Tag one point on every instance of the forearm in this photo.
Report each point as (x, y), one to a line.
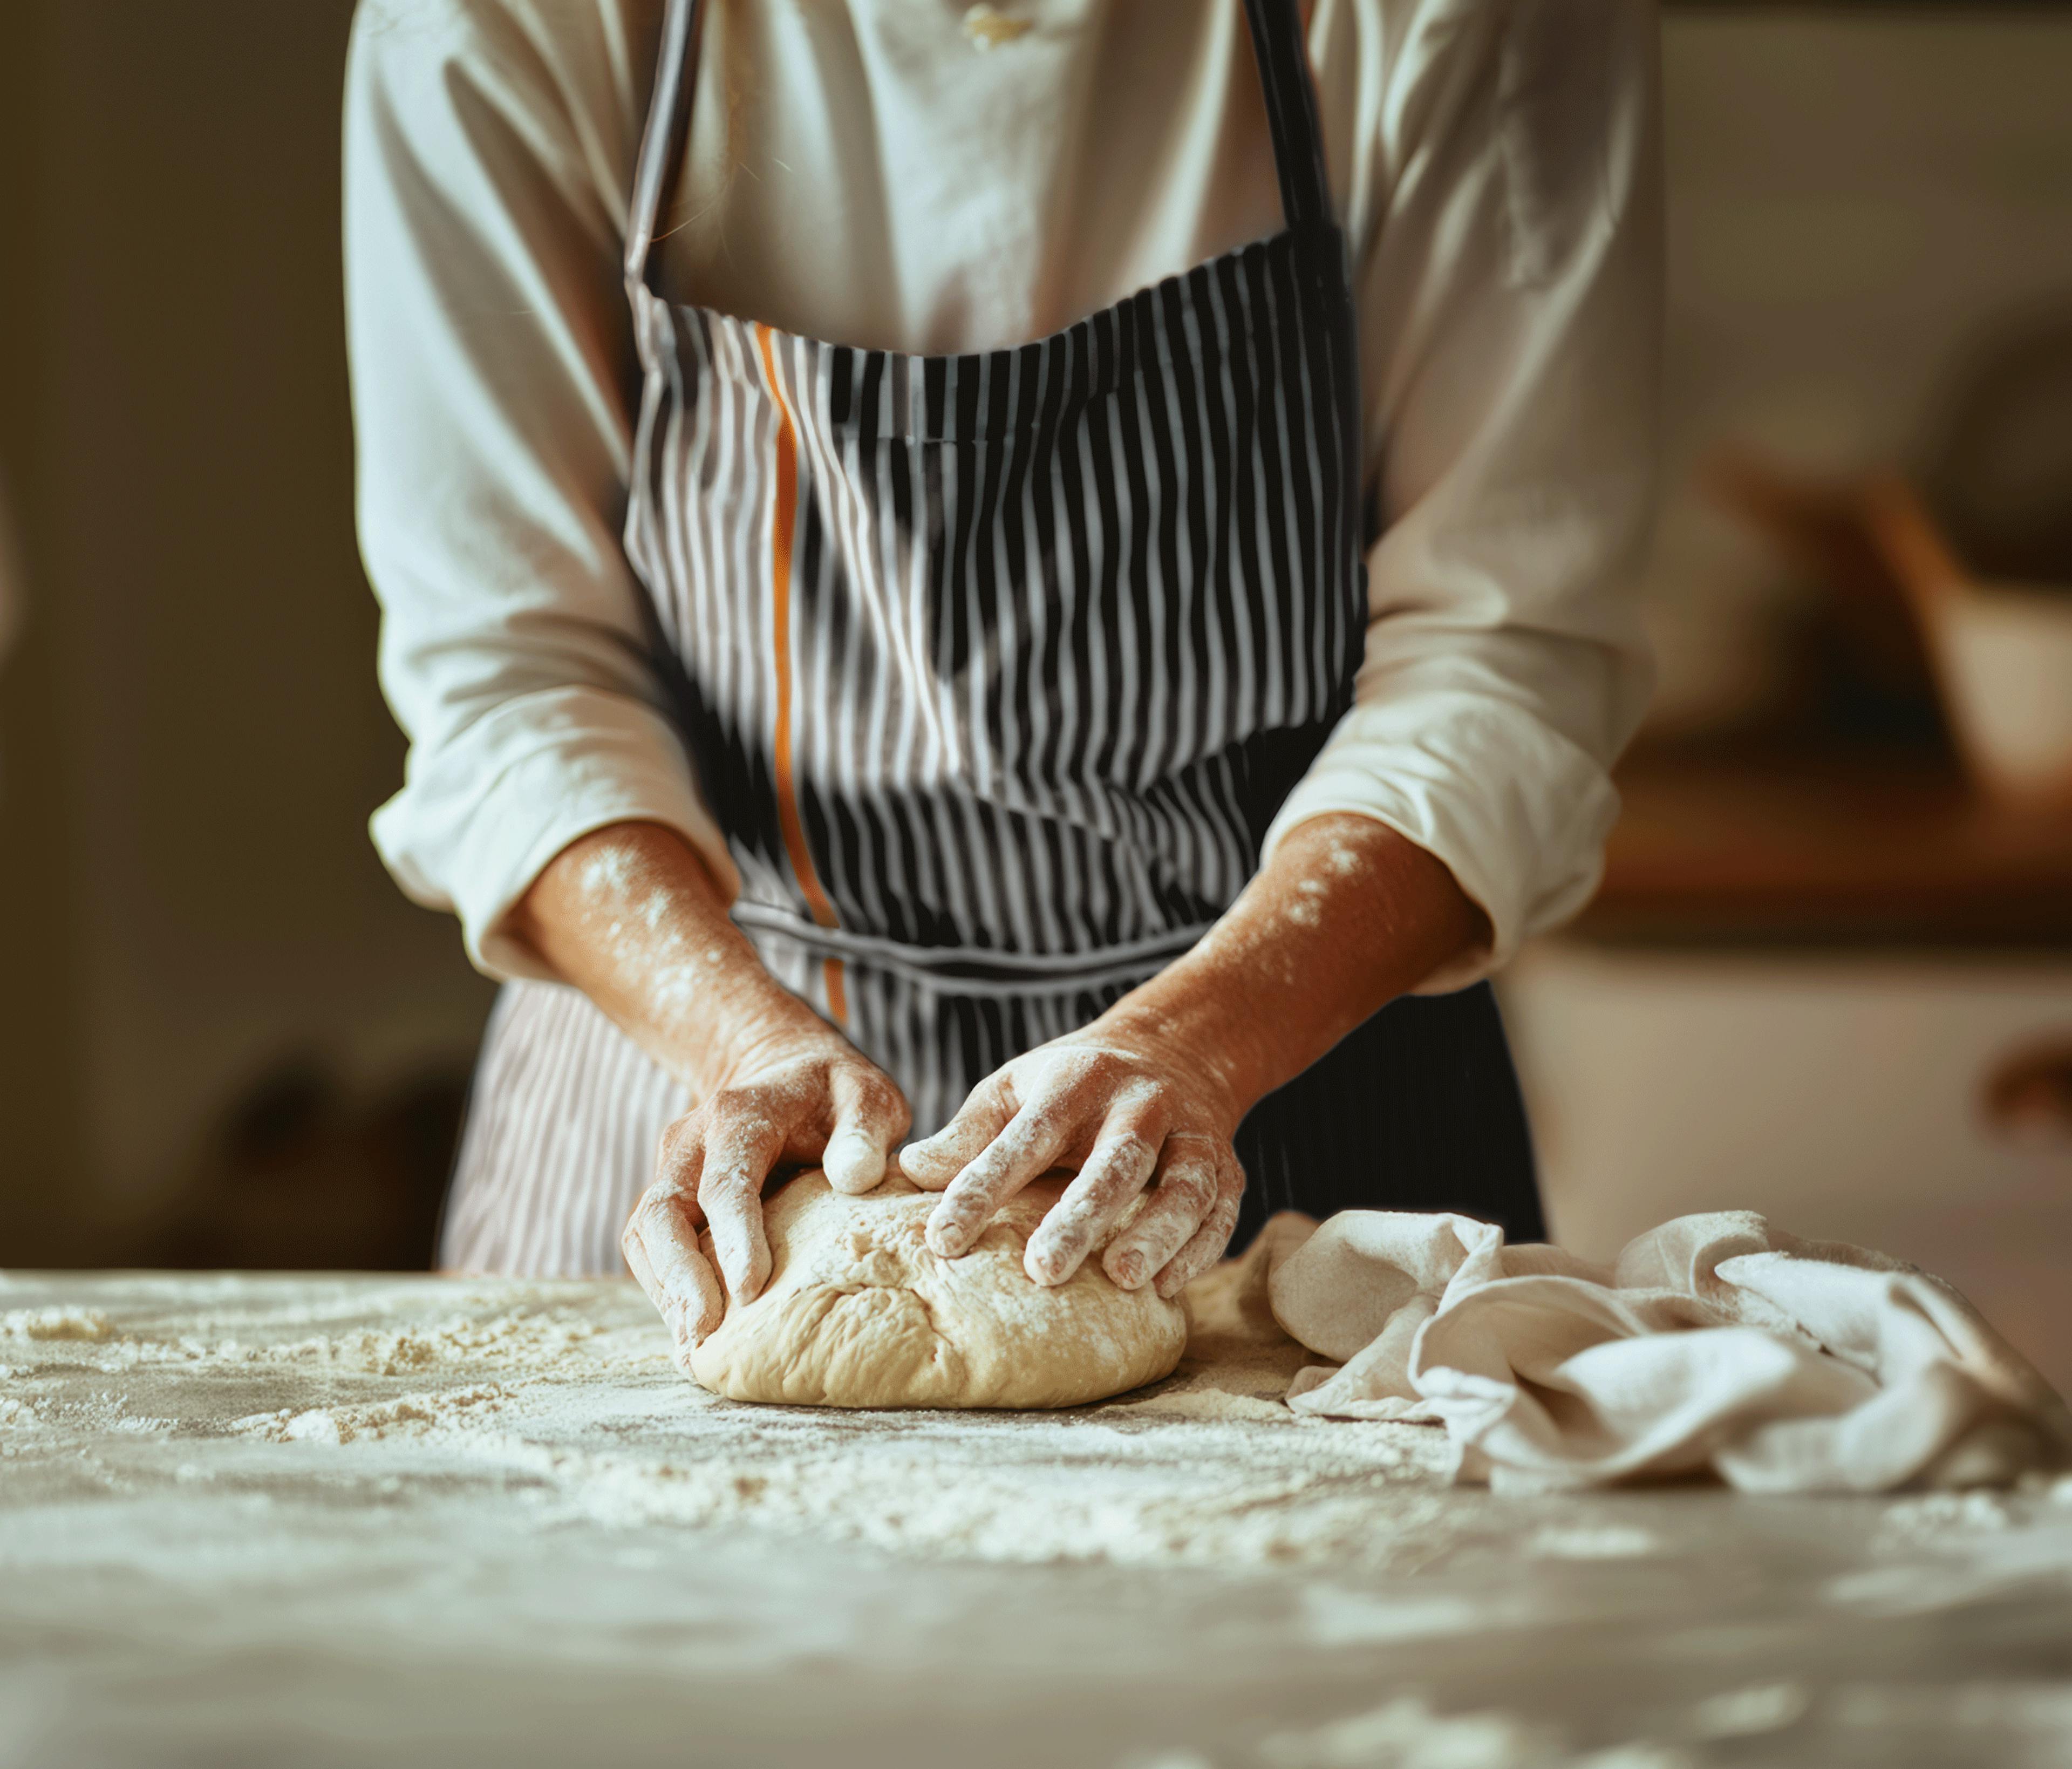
(1347, 915)
(630, 916)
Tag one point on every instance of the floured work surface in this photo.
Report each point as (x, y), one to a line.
(326, 1520)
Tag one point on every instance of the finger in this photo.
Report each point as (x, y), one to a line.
(933, 1161)
(661, 1248)
(1179, 1205)
(680, 1269)
(870, 1116)
(1029, 1145)
(1121, 1163)
(674, 1316)
(741, 1147)
(643, 1272)
(1205, 1246)
(674, 1193)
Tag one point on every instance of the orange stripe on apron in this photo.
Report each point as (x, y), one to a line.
(784, 524)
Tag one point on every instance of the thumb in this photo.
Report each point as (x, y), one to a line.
(870, 1116)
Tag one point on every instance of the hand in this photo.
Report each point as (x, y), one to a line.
(635, 920)
(802, 1095)
(1345, 915)
(1127, 1109)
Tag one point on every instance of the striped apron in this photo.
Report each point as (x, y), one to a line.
(994, 670)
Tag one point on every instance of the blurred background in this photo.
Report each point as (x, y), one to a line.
(1830, 974)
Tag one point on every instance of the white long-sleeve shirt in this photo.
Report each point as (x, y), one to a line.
(862, 171)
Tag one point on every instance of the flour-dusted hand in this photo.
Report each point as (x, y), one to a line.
(1128, 1111)
(1344, 914)
(801, 1095)
(631, 916)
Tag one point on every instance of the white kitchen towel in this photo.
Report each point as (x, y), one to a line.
(1715, 1342)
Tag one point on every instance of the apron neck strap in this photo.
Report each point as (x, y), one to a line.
(1277, 45)
(662, 142)
(1283, 54)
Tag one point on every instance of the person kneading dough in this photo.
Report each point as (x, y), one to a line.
(859, 1312)
(1054, 579)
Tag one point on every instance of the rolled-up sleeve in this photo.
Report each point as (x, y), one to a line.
(494, 382)
(1505, 207)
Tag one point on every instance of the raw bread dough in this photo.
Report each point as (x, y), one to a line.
(858, 1313)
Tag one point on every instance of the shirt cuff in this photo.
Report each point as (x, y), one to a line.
(558, 765)
(1516, 811)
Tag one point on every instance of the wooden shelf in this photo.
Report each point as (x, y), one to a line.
(1843, 847)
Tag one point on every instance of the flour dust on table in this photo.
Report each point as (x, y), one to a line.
(491, 1522)
(565, 1391)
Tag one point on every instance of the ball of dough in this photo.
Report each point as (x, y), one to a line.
(859, 1313)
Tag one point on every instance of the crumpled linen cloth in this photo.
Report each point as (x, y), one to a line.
(1715, 1343)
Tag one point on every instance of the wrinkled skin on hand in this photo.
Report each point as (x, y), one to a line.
(806, 1099)
(1345, 915)
(1129, 1114)
(631, 916)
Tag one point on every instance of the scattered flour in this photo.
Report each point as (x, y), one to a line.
(1406, 1735)
(1214, 1404)
(1616, 1541)
(408, 1414)
(423, 1472)
(966, 1493)
(1942, 1513)
(540, 1343)
(545, 1338)
(55, 1323)
(2042, 1711)
(569, 1391)
(1750, 1713)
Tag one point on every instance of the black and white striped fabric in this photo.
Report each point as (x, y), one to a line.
(995, 669)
